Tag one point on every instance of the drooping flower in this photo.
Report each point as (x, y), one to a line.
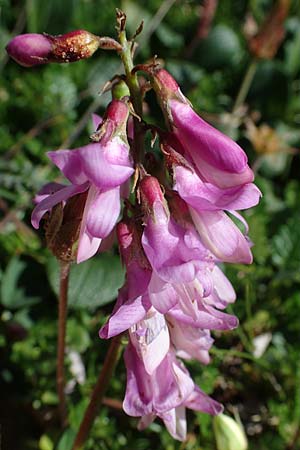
(210, 173)
(158, 384)
(133, 299)
(217, 158)
(100, 168)
(170, 313)
(182, 266)
(162, 271)
(207, 204)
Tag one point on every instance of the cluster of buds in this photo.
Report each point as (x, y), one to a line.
(173, 235)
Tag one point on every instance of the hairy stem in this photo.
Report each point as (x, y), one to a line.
(135, 95)
(62, 316)
(131, 78)
(98, 393)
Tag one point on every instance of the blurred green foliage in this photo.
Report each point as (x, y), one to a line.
(49, 107)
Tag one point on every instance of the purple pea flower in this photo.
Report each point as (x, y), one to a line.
(158, 384)
(182, 266)
(100, 169)
(206, 203)
(217, 158)
(189, 340)
(133, 301)
(171, 279)
(164, 393)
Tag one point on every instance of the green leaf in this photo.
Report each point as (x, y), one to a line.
(13, 296)
(66, 441)
(285, 244)
(93, 283)
(78, 337)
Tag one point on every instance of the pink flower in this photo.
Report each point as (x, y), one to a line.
(216, 157)
(164, 393)
(206, 203)
(133, 300)
(158, 384)
(189, 340)
(182, 266)
(173, 281)
(99, 168)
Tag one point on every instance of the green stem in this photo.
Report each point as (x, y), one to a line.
(132, 79)
(98, 392)
(135, 95)
(245, 86)
(245, 340)
(62, 317)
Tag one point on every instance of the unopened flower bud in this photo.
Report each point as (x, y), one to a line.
(152, 198)
(34, 49)
(70, 47)
(164, 82)
(117, 111)
(29, 49)
(150, 191)
(114, 122)
(229, 434)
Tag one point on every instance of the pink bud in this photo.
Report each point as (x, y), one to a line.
(150, 192)
(166, 89)
(164, 81)
(34, 49)
(29, 49)
(117, 111)
(114, 122)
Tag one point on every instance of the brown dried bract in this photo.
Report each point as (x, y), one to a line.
(63, 227)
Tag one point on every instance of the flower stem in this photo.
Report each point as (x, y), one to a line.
(245, 86)
(135, 95)
(131, 78)
(98, 392)
(62, 316)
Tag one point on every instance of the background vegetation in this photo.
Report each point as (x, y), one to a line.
(255, 370)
